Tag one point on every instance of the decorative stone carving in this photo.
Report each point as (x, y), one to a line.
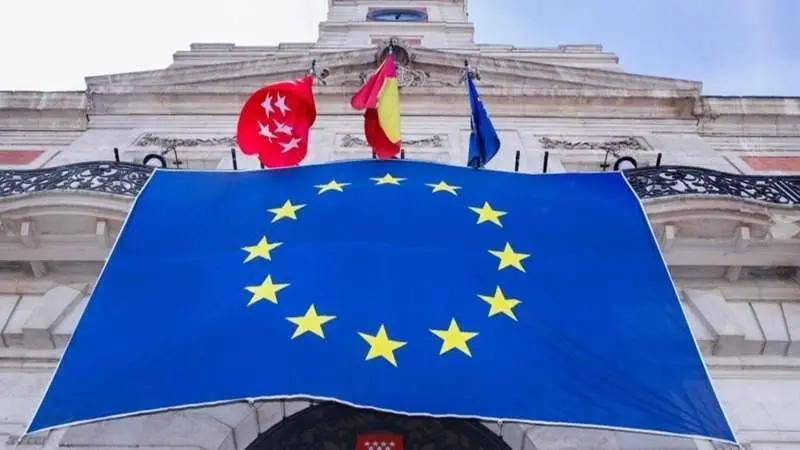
(407, 77)
(613, 146)
(435, 141)
(348, 140)
(150, 139)
(401, 50)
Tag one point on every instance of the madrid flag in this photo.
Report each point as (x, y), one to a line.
(275, 121)
(380, 100)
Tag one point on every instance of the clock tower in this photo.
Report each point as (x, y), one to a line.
(439, 24)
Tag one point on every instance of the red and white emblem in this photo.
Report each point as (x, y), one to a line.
(379, 441)
(275, 121)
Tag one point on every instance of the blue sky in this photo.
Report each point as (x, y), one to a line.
(735, 47)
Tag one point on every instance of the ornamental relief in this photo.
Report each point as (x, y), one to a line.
(406, 77)
(435, 141)
(170, 142)
(615, 145)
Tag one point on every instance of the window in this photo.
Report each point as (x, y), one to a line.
(397, 15)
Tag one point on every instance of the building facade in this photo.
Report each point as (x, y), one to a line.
(719, 178)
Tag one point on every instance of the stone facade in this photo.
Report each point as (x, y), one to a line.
(733, 247)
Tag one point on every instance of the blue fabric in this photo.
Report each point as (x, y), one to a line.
(483, 140)
(598, 339)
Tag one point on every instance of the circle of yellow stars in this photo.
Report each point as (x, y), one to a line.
(380, 344)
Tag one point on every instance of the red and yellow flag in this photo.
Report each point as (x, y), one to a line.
(380, 98)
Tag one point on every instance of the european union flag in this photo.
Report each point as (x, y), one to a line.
(483, 140)
(405, 286)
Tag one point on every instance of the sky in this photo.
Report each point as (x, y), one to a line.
(735, 47)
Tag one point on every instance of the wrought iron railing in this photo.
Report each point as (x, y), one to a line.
(127, 179)
(96, 176)
(668, 181)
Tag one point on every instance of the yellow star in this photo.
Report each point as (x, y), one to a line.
(261, 249)
(387, 179)
(453, 337)
(310, 322)
(265, 291)
(442, 186)
(288, 210)
(499, 303)
(509, 258)
(487, 214)
(332, 185)
(381, 345)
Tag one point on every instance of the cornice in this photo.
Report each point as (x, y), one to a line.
(35, 111)
(715, 106)
(745, 209)
(424, 101)
(293, 65)
(29, 205)
(290, 65)
(571, 74)
(43, 101)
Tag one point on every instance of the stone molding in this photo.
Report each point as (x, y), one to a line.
(290, 66)
(87, 204)
(533, 70)
(36, 111)
(332, 100)
(714, 106)
(43, 101)
(218, 89)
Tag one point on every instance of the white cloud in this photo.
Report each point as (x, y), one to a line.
(54, 44)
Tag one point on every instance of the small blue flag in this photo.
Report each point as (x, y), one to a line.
(483, 140)
(405, 286)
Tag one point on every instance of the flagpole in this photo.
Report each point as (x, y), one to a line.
(466, 76)
(313, 69)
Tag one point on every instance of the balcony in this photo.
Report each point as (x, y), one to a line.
(127, 179)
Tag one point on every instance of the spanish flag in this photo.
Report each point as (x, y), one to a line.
(380, 98)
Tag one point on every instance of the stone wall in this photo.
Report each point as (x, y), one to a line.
(573, 144)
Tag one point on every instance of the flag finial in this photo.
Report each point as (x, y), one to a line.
(468, 71)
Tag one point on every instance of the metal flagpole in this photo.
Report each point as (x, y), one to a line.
(466, 77)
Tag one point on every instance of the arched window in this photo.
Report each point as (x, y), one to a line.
(339, 426)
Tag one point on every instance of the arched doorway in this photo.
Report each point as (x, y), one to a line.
(330, 426)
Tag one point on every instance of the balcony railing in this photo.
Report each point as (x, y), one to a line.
(127, 179)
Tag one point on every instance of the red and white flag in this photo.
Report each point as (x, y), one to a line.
(275, 121)
(379, 441)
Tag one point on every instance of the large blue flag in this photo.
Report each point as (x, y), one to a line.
(405, 286)
(483, 140)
